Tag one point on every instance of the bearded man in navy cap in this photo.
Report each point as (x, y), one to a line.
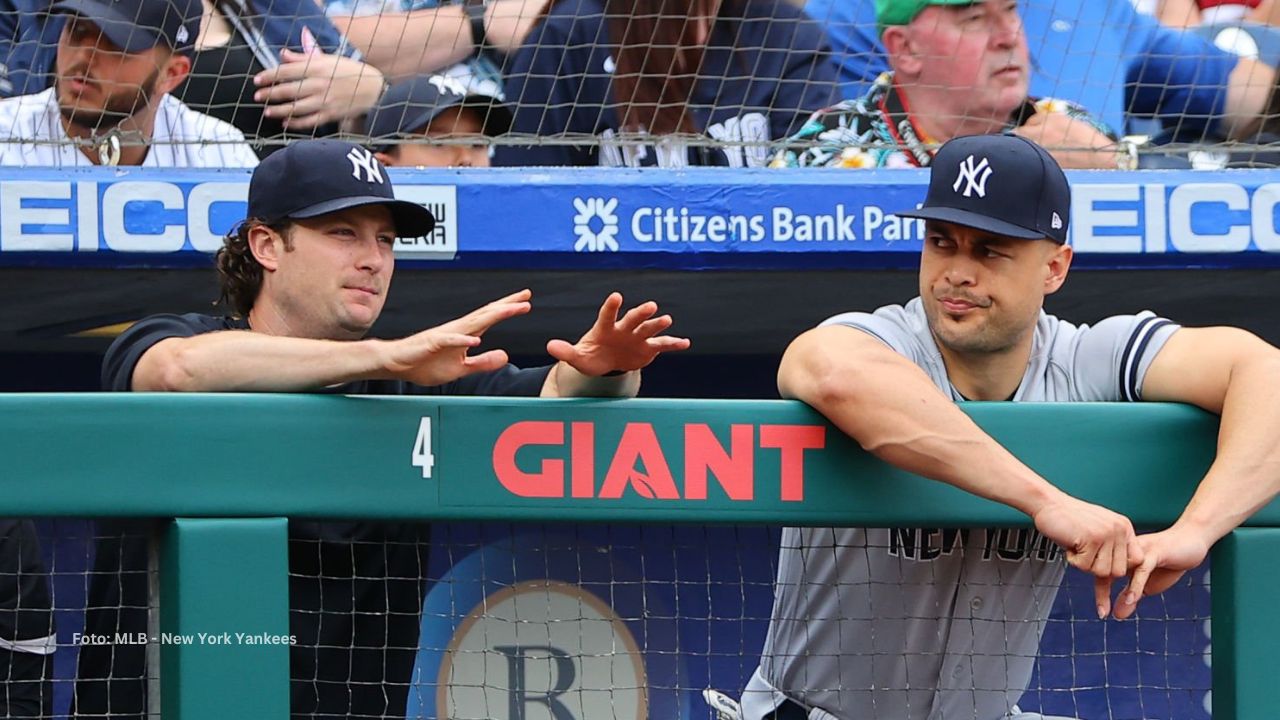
(117, 61)
(306, 275)
(948, 624)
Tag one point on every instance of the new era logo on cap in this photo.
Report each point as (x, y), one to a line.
(446, 85)
(974, 177)
(1031, 200)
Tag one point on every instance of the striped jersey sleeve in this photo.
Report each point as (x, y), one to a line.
(1109, 361)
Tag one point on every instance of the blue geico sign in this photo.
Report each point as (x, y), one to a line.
(652, 218)
(126, 215)
(1186, 217)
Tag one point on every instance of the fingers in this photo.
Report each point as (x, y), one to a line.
(1128, 600)
(668, 343)
(609, 310)
(1120, 554)
(485, 361)
(518, 296)
(563, 351)
(1082, 557)
(282, 92)
(652, 327)
(1102, 595)
(445, 340)
(478, 321)
(1113, 558)
(637, 316)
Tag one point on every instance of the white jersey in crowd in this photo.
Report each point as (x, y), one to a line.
(182, 138)
(893, 624)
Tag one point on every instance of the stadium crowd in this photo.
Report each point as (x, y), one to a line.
(618, 83)
(846, 83)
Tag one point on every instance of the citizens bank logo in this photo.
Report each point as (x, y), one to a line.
(974, 177)
(542, 649)
(595, 224)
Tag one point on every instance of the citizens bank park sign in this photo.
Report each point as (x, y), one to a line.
(695, 218)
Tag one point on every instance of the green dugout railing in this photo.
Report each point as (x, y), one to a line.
(230, 469)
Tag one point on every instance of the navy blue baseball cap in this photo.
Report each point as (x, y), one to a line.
(1001, 184)
(407, 107)
(139, 25)
(309, 178)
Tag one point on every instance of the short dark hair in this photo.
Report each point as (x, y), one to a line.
(239, 272)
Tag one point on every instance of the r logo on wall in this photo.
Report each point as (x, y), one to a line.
(542, 649)
(558, 623)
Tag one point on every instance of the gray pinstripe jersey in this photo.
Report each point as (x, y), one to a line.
(883, 624)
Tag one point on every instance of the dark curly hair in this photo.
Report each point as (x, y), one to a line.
(239, 272)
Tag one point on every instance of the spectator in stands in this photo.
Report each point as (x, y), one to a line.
(1191, 13)
(643, 78)
(1103, 56)
(264, 67)
(117, 61)
(445, 126)
(958, 69)
(277, 69)
(306, 275)
(1243, 27)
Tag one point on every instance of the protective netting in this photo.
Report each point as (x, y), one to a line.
(634, 82)
(628, 621)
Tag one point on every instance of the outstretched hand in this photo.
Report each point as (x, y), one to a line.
(314, 88)
(1097, 541)
(1167, 556)
(614, 344)
(439, 355)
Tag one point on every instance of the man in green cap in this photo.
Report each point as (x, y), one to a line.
(959, 68)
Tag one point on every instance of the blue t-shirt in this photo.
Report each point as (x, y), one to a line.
(1100, 55)
(766, 68)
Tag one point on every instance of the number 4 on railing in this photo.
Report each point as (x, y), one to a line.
(422, 456)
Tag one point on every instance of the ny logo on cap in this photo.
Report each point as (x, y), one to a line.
(447, 85)
(974, 176)
(182, 36)
(362, 159)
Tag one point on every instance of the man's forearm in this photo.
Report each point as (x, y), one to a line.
(246, 361)
(424, 41)
(1249, 90)
(405, 44)
(892, 409)
(1245, 476)
(906, 422)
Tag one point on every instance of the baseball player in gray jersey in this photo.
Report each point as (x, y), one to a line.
(876, 624)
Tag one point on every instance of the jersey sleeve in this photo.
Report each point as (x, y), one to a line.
(123, 355)
(890, 325)
(1108, 361)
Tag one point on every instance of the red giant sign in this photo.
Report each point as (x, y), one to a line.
(704, 455)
